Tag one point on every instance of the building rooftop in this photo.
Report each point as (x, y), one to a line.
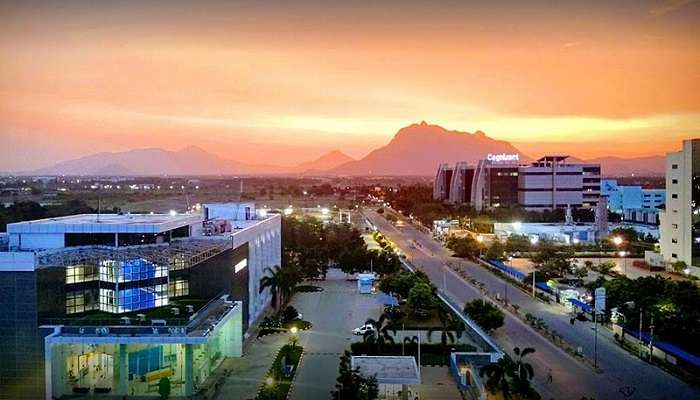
(108, 223)
(195, 327)
(398, 370)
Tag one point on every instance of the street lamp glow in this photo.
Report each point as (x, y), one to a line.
(480, 239)
(576, 241)
(172, 213)
(294, 330)
(534, 240)
(517, 225)
(617, 240)
(325, 211)
(269, 381)
(288, 210)
(622, 253)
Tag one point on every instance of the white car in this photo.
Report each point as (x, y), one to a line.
(363, 329)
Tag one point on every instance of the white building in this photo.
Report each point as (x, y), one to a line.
(551, 182)
(680, 221)
(112, 303)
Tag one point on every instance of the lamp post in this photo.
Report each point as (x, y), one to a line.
(533, 242)
(480, 240)
(617, 240)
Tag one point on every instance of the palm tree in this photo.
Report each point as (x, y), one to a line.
(380, 335)
(448, 324)
(498, 376)
(511, 377)
(281, 282)
(523, 368)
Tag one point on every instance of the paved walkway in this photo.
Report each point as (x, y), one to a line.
(248, 372)
(437, 384)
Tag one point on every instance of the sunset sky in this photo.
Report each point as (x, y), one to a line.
(283, 82)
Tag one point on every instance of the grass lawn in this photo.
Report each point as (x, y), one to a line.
(412, 322)
(277, 385)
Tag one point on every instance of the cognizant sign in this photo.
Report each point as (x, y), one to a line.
(503, 157)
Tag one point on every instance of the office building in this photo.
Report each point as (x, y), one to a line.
(110, 304)
(550, 182)
(680, 221)
(443, 180)
(631, 197)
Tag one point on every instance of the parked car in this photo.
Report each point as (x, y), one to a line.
(363, 329)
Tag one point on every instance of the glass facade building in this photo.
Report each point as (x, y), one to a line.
(78, 316)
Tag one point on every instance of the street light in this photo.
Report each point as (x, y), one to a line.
(480, 239)
(533, 241)
(624, 260)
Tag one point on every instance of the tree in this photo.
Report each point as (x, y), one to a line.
(164, 388)
(497, 375)
(552, 258)
(398, 283)
(511, 377)
(421, 298)
(487, 315)
(351, 385)
(605, 267)
(380, 335)
(463, 247)
(448, 324)
(517, 244)
(679, 266)
(281, 282)
(496, 251)
(581, 273)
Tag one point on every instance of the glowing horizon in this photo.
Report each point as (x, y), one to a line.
(286, 83)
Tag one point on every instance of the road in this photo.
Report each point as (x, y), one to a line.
(571, 379)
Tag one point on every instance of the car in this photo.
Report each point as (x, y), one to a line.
(363, 329)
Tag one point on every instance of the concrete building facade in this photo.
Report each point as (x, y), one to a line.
(546, 184)
(680, 221)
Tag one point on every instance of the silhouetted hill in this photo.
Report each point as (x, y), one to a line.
(418, 149)
(327, 161)
(191, 160)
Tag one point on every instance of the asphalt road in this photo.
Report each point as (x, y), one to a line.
(571, 379)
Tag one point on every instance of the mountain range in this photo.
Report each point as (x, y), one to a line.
(415, 150)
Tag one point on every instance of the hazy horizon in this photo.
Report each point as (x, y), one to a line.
(279, 83)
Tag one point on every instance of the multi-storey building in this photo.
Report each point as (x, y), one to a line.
(443, 180)
(110, 304)
(631, 197)
(546, 184)
(680, 221)
(551, 183)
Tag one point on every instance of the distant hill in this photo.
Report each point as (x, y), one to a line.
(191, 160)
(642, 166)
(418, 149)
(327, 161)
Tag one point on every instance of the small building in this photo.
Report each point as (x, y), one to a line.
(365, 283)
(394, 374)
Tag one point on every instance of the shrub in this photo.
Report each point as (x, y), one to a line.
(485, 314)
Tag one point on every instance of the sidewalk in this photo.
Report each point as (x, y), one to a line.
(247, 373)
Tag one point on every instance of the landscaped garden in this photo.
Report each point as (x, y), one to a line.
(281, 375)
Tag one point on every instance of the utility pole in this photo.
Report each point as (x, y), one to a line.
(595, 341)
(651, 338)
(533, 282)
(444, 278)
(640, 329)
